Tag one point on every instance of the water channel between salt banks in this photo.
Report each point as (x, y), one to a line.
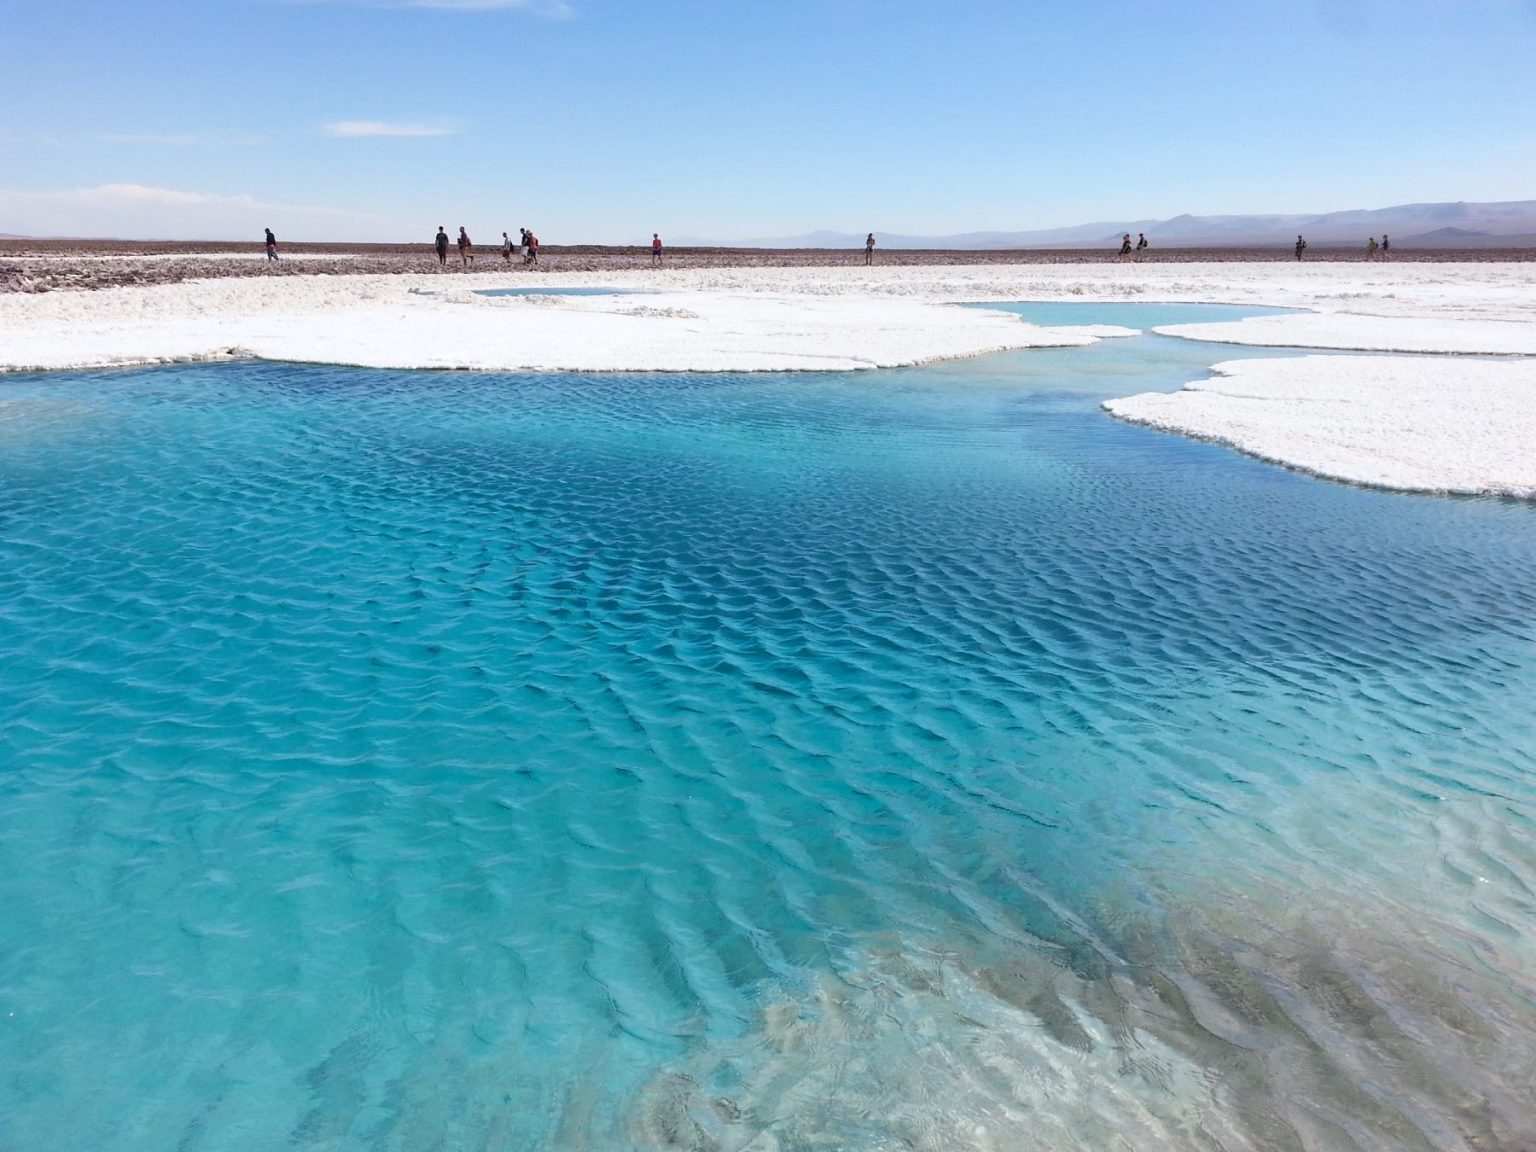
(901, 759)
(558, 292)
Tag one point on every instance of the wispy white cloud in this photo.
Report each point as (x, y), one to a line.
(146, 211)
(361, 129)
(135, 194)
(548, 9)
(40, 140)
(181, 139)
(108, 195)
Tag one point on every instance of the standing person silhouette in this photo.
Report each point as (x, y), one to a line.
(1141, 244)
(533, 249)
(1301, 246)
(1125, 245)
(1386, 245)
(271, 245)
(655, 249)
(465, 244)
(869, 248)
(1370, 249)
(441, 244)
(506, 248)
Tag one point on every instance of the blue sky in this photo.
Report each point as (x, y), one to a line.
(605, 120)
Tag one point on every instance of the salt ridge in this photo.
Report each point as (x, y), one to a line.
(1408, 423)
(1442, 425)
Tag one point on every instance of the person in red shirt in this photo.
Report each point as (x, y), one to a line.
(655, 248)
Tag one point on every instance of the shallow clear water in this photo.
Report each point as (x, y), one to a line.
(1057, 313)
(913, 759)
(556, 292)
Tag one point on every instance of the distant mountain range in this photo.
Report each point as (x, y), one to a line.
(1510, 224)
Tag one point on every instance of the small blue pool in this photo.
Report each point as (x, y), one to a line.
(557, 292)
(1126, 314)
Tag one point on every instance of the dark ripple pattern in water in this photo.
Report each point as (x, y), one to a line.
(903, 760)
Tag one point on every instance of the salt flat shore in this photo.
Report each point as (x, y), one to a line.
(1432, 416)
(29, 265)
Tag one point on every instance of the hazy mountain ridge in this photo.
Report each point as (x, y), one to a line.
(1508, 223)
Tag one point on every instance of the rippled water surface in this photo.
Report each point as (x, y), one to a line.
(557, 292)
(912, 759)
(1053, 313)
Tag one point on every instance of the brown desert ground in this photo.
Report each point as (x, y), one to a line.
(28, 265)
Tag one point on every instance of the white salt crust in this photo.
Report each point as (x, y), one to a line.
(1442, 424)
(1427, 424)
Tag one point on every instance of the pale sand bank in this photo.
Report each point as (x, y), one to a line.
(423, 322)
(1355, 333)
(1411, 423)
(1456, 425)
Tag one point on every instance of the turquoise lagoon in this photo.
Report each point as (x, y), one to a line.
(558, 292)
(912, 759)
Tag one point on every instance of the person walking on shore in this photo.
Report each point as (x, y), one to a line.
(1301, 246)
(441, 244)
(533, 249)
(869, 248)
(506, 248)
(1125, 245)
(1141, 244)
(1370, 249)
(1386, 245)
(655, 249)
(465, 244)
(271, 245)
